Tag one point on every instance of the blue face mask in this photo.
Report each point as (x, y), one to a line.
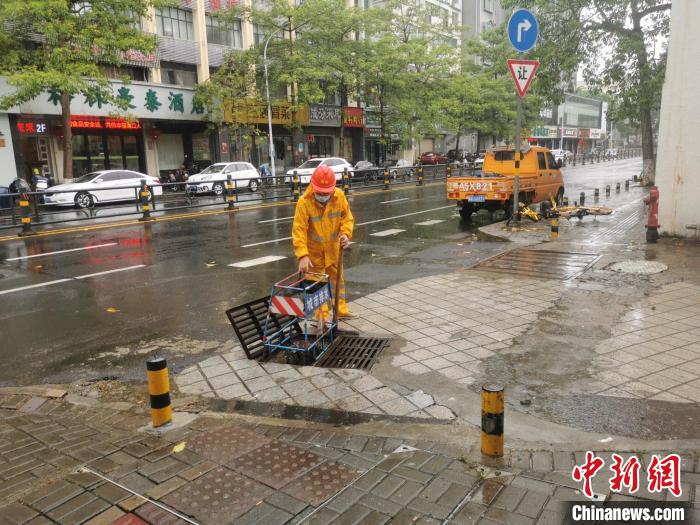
(323, 199)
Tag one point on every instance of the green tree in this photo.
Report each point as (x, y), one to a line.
(59, 46)
(618, 43)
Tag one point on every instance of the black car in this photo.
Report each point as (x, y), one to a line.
(365, 171)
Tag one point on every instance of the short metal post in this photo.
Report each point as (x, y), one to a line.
(230, 197)
(386, 179)
(295, 186)
(449, 171)
(607, 190)
(516, 197)
(583, 161)
(582, 198)
(617, 187)
(596, 194)
(554, 228)
(26, 215)
(492, 420)
(145, 197)
(598, 157)
(346, 182)
(565, 201)
(159, 391)
(627, 185)
(420, 175)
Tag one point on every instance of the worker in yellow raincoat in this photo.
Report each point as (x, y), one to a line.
(322, 221)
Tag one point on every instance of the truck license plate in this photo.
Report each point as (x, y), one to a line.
(477, 198)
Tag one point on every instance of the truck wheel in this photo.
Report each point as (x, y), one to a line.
(466, 211)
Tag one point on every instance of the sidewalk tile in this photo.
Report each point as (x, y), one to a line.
(321, 483)
(108, 517)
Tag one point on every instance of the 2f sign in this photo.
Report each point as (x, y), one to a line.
(523, 72)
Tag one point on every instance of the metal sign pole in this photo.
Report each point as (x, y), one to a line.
(516, 184)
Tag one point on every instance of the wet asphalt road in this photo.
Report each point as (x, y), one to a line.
(111, 296)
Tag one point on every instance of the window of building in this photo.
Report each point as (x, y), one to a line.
(438, 15)
(175, 23)
(178, 74)
(224, 34)
(488, 6)
(139, 74)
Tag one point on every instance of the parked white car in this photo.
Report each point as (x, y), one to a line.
(562, 154)
(100, 186)
(213, 179)
(304, 171)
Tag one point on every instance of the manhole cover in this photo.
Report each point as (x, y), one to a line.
(540, 263)
(641, 267)
(349, 351)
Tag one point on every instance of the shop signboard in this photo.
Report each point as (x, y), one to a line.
(144, 101)
(254, 112)
(584, 133)
(324, 115)
(353, 117)
(570, 132)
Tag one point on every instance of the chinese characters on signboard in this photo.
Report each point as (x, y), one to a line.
(353, 117)
(109, 123)
(321, 115)
(31, 128)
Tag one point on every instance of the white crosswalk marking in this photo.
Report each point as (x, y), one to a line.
(395, 200)
(276, 220)
(386, 233)
(429, 223)
(258, 261)
(63, 251)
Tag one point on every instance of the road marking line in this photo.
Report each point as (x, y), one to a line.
(395, 200)
(258, 261)
(404, 215)
(265, 242)
(360, 224)
(62, 251)
(49, 283)
(386, 233)
(275, 220)
(110, 271)
(79, 277)
(429, 223)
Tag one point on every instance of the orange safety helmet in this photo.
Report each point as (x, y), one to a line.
(323, 179)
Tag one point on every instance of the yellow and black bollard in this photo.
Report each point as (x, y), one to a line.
(554, 231)
(617, 187)
(449, 170)
(420, 175)
(159, 391)
(492, 409)
(565, 201)
(346, 182)
(596, 194)
(607, 190)
(295, 186)
(582, 198)
(386, 179)
(627, 185)
(145, 200)
(230, 195)
(25, 216)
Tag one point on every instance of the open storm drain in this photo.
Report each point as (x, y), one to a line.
(350, 351)
(546, 264)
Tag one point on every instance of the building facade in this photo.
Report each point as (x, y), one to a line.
(579, 124)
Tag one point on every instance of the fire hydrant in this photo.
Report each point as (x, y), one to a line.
(652, 200)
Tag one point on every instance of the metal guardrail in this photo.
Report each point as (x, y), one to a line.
(226, 194)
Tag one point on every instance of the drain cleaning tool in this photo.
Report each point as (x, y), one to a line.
(88, 470)
(336, 301)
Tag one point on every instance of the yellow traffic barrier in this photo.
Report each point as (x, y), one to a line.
(159, 391)
(492, 408)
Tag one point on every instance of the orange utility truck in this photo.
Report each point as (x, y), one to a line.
(491, 188)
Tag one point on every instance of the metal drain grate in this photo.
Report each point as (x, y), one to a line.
(248, 321)
(540, 263)
(350, 351)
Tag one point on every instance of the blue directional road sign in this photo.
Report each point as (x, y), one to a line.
(523, 30)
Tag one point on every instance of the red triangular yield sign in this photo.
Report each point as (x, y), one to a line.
(523, 72)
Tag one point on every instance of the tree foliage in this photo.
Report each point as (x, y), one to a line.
(620, 45)
(61, 46)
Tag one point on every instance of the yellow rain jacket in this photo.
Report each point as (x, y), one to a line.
(316, 232)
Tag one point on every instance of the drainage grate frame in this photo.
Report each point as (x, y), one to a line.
(352, 351)
(248, 321)
(546, 264)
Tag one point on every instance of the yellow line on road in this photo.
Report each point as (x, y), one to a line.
(190, 215)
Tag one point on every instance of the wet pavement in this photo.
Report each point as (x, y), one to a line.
(126, 293)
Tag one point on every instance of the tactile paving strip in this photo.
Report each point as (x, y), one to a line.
(218, 497)
(276, 463)
(226, 443)
(321, 483)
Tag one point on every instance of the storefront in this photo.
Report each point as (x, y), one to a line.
(322, 135)
(102, 140)
(354, 125)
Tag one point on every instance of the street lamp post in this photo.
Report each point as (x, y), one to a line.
(269, 108)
